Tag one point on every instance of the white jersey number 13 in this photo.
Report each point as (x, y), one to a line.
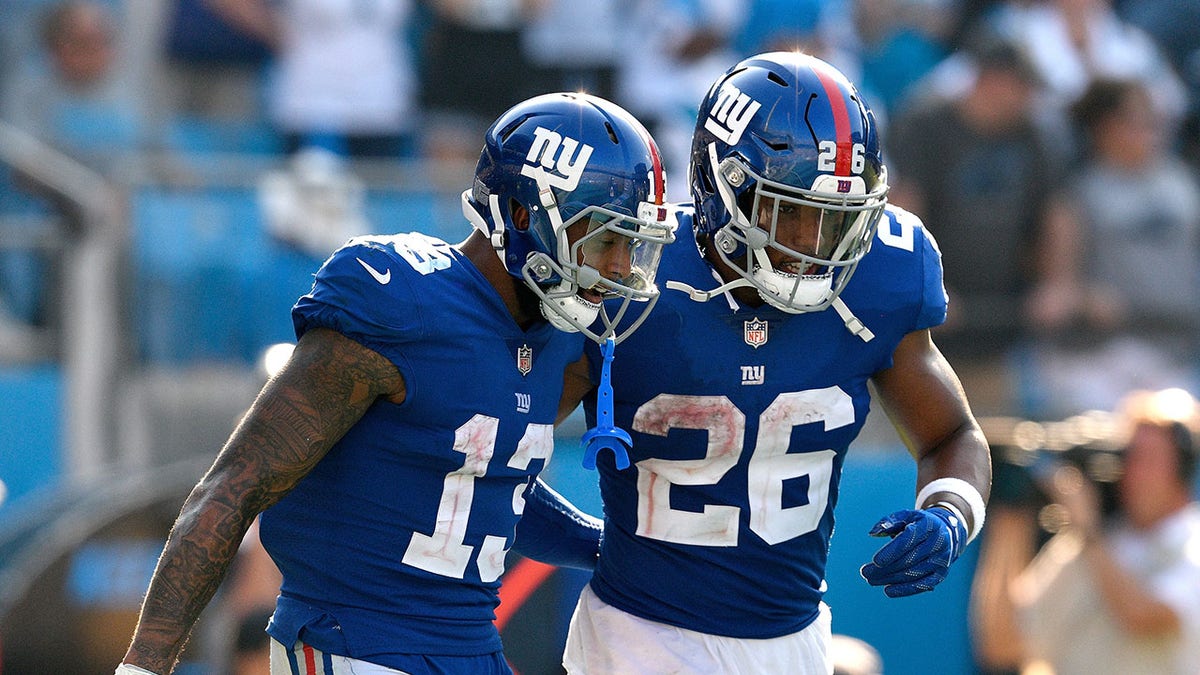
(444, 551)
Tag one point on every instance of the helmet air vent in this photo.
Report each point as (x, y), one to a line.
(612, 133)
(512, 127)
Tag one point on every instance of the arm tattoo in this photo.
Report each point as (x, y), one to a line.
(324, 390)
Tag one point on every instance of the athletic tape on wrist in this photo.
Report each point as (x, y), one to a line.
(962, 488)
(130, 669)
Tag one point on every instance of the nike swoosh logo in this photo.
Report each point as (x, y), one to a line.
(381, 277)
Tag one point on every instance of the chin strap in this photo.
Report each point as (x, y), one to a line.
(704, 296)
(853, 324)
(494, 234)
(604, 434)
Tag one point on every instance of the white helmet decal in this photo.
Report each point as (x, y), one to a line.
(731, 114)
(570, 164)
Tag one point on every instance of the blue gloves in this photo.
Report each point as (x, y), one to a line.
(924, 543)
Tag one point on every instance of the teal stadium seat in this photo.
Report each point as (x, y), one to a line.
(197, 135)
(30, 429)
(211, 285)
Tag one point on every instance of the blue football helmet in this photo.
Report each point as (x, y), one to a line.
(785, 133)
(591, 178)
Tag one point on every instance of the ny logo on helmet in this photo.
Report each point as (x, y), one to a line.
(551, 151)
(731, 114)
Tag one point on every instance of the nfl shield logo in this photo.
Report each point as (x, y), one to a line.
(524, 359)
(756, 332)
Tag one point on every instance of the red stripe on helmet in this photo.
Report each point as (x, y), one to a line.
(841, 122)
(660, 179)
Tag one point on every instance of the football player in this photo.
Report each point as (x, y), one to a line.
(747, 383)
(393, 454)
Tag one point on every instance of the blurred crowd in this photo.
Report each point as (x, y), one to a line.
(1052, 147)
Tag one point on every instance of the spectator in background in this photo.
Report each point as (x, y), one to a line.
(1115, 594)
(1072, 42)
(473, 68)
(674, 51)
(973, 166)
(1010, 540)
(1174, 25)
(1123, 313)
(75, 96)
(210, 66)
(574, 45)
(898, 42)
(821, 28)
(344, 77)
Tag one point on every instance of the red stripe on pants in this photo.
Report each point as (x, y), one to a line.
(310, 661)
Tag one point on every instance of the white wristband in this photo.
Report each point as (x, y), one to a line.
(962, 488)
(130, 669)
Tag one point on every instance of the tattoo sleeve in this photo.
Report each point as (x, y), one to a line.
(324, 389)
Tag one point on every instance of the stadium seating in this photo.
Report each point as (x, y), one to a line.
(211, 285)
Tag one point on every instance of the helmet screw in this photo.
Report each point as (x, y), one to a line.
(734, 174)
(725, 241)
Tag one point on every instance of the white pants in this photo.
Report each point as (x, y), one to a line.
(303, 659)
(604, 640)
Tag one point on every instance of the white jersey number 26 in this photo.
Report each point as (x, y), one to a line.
(769, 467)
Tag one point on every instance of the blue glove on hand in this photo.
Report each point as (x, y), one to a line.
(924, 543)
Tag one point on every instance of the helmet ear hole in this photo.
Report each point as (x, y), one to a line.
(520, 215)
(705, 179)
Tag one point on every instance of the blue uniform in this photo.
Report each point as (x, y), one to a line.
(395, 542)
(740, 423)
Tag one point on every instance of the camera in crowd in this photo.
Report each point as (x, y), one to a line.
(1089, 445)
(1028, 455)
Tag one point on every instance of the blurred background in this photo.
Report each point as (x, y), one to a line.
(172, 172)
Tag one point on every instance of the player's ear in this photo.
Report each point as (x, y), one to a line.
(520, 217)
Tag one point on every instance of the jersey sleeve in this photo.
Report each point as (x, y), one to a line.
(554, 531)
(362, 292)
(933, 290)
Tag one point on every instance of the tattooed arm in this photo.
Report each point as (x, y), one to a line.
(324, 390)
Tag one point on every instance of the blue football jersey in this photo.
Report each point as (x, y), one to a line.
(395, 542)
(740, 421)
